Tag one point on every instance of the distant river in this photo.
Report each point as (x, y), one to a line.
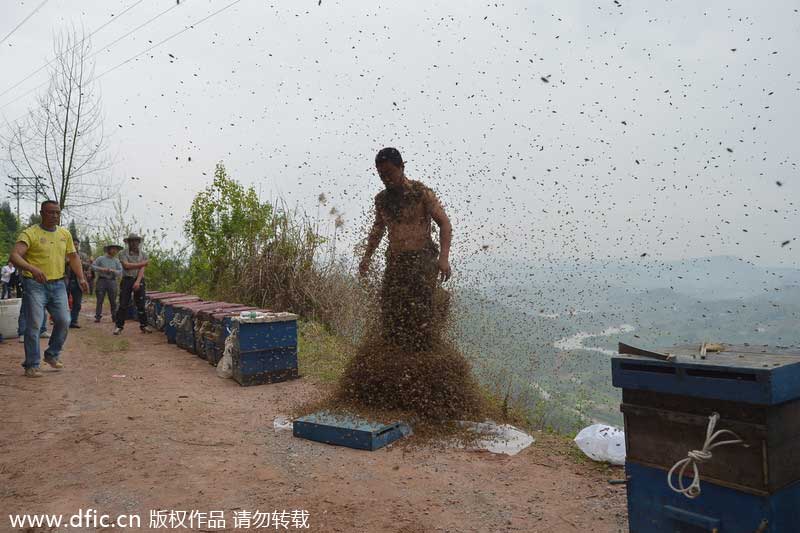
(575, 342)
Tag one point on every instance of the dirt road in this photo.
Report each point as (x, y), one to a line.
(132, 424)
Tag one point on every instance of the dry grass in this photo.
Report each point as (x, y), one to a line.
(322, 355)
(104, 342)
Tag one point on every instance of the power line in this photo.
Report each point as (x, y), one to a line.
(32, 13)
(191, 26)
(140, 26)
(29, 76)
(35, 183)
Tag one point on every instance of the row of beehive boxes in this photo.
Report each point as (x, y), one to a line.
(263, 344)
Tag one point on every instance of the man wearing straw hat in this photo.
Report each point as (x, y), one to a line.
(108, 271)
(134, 261)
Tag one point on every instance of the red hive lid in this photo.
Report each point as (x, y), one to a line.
(180, 299)
(165, 295)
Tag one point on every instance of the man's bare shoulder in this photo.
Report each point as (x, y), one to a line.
(424, 192)
(417, 185)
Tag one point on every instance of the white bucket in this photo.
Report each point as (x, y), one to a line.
(9, 317)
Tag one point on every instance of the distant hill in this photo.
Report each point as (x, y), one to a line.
(706, 277)
(549, 338)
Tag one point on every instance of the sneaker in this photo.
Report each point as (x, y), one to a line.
(21, 339)
(55, 363)
(97, 319)
(117, 331)
(32, 373)
(75, 326)
(45, 335)
(146, 329)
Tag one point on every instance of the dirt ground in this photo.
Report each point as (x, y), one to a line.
(132, 424)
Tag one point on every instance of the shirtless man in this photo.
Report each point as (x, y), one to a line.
(413, 261)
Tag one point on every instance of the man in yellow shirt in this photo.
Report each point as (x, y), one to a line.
(41, 252)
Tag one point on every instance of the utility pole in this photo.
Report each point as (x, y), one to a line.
(20, 190)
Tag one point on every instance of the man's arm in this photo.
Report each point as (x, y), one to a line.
(77, 267)
(139, 277)
(445, 235)
(18, 258)
(96, 266)
(373, 240)
(131, 266)
(118, 271)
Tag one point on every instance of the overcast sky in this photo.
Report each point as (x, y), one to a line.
(623, 150)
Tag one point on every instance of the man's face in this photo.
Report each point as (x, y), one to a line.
(51, 215)
(391, 175)
(133, 246)
(112, 252)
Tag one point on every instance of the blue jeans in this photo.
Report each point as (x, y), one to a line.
(21, 322)
(40, 296)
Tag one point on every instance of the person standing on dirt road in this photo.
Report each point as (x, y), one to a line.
(74, 288)
(108, 271)
(40, 252)
(134, 261)
(406, 208)
(5, 280)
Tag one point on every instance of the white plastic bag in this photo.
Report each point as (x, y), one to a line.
(282, 423)
(225, 365)
(602, 443)
(501, 439)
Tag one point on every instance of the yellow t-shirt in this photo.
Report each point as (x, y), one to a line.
(47, 250)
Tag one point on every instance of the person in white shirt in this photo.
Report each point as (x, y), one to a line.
(5, 280)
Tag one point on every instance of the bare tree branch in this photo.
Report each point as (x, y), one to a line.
(62, 137)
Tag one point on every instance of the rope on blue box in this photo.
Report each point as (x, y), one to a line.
(161, 321)
(696, 457)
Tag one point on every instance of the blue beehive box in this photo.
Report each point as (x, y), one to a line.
(153, 303)
(184, 337)
(667, 403)
(168, 308)
(221, 326)
(265, 348)
(347, 430)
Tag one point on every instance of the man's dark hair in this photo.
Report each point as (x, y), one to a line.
(41, 207)
(391, 155)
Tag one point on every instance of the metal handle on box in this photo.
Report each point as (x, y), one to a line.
(387, 429)
(693, 519)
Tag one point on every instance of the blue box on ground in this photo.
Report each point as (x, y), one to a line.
(718, 508)
(668, 399)
(347, 430)
(264, 348)
(185, 315)
(204, 327)
(168, 313)
(220, 328)
(153, 303)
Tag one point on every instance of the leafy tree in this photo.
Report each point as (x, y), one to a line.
(61, 138)
(226, 224)
(9, 230)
